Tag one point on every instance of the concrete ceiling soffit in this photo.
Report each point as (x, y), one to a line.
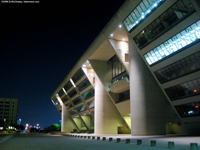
(104, 52)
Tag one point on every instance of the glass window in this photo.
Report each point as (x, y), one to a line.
(163, 23)
(67, 86)
(65, 99)
(72, 93)
(183, 90)
(81, 108)
(117, 67)
(77, 101)
(91, 104)
(88, 94)
(179, 68)
(189, 109)
(78, 75)
(179, 41)
(84, 84)
(61, 93)
(140, 12)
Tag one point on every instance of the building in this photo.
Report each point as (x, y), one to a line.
(8, 111)
(141, 75)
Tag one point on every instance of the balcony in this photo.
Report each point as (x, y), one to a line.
(120, 86)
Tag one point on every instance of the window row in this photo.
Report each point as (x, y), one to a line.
(171, 16)
(117, 67)
(174, 44)
(84, 84)
(141, 11)
(78, 75)
(82, 108)
(189, 110)
(182, 67)
(183, 90)
(88, 94)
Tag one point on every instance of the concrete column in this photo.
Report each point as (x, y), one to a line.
(106, 115)
(150, 110)
(67, 123)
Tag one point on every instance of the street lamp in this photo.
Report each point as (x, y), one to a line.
(19, 123)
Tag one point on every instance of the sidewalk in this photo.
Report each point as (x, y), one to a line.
(180, 142)
(59, 142)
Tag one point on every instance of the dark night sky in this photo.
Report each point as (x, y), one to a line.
(40, 44)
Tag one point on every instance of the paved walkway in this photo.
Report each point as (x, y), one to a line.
(57, 142)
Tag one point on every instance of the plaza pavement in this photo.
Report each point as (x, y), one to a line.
(69, 142)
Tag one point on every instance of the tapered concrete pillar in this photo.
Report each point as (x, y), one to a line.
(106, 115)
(150, 110)
(67, 123)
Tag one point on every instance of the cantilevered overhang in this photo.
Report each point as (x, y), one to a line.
(104, 52)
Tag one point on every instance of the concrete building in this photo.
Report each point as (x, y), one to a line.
(141, 75)
(8, 111)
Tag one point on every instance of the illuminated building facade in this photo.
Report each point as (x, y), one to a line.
(8, 111)
(141, 75)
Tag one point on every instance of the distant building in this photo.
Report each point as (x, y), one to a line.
(141, 75)
(8, 110)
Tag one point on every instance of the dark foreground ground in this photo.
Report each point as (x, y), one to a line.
(56, 142)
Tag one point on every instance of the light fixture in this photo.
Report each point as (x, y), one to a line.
(120, 25)
(123, 39)
(83, 65)
(111, 34)
(87, 61)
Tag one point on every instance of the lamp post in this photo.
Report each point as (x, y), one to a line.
(19, 123)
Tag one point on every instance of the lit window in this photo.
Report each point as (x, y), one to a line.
(175, 43)
(140, 12)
